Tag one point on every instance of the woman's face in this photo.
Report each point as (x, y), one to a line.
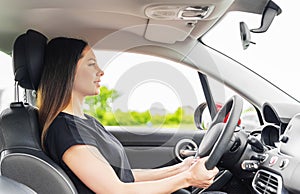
(88, 74)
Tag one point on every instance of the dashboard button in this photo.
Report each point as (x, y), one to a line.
(284, 138)
(273, 160)
(283, 163)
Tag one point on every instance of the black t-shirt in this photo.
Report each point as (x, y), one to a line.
(68, 130)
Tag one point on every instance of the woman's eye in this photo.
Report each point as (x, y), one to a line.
(91, 64)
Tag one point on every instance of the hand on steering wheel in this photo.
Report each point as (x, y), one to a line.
(219, 134)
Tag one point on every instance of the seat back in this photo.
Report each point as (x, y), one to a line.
(22, 158)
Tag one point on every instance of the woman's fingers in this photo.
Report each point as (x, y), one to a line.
(201, 176)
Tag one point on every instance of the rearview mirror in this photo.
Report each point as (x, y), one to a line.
(245, 35)
(271, 10)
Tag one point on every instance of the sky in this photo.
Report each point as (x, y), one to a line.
(274, 54)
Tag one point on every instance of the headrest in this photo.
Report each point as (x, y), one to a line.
(28, 59)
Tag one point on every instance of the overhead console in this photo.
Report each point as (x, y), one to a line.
(169, 23)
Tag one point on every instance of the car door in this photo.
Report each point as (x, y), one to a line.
(162, 148)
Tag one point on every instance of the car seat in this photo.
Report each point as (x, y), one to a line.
(22, 158)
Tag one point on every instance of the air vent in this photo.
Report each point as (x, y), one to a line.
(266, 182)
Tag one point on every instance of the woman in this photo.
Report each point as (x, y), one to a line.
(94, 159)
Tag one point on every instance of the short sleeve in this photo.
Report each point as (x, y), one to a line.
(64, 133)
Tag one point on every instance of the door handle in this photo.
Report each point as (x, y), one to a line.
(186, 153)
(185, 148)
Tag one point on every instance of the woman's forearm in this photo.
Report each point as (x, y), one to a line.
(162, 186)
(100, 177)
(156, 174)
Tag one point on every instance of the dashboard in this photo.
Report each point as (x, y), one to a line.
(279, 170)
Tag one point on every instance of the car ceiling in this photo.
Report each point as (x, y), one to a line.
(93, 20)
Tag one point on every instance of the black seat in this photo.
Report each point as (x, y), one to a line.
(22, 158)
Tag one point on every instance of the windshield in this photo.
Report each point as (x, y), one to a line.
(275, 54)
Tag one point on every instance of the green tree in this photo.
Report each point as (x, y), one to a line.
(100, 107)
(174, 118)
(100, 104)
(140, 117)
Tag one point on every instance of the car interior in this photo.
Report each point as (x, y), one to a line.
(262, 160)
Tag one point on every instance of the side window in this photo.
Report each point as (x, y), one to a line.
(6, 81)
(145, 91)
(221, 93)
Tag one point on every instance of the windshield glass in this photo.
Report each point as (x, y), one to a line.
(275, 54)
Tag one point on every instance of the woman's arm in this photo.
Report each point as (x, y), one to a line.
(93, 170)
(161, 173)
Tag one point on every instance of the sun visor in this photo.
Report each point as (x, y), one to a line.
(168, 31)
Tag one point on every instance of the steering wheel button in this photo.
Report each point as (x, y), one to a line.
(235, 146)
(273, 160)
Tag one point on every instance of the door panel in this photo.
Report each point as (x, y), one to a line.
(153, 148)
(150, 156)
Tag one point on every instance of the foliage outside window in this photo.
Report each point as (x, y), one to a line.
(99, 106)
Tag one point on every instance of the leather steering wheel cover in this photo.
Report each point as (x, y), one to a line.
(235, 106)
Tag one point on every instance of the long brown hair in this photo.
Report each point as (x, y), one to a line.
(55, 89)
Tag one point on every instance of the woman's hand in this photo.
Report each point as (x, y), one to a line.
(199, 175)
(187, 163)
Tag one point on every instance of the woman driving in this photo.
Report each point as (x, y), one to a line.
(92, 157)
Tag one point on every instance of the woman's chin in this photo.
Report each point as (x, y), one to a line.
(97, 92)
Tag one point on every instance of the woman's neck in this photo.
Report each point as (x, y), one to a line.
(75, 107)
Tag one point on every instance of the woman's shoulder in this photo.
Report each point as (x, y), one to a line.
(66, 121)
(59, 122)
(69, 118)
(63, 122)
(64, 127)
(61, 118)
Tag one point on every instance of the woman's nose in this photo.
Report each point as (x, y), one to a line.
(100, 72)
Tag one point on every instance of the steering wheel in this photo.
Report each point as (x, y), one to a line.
(219, 134)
